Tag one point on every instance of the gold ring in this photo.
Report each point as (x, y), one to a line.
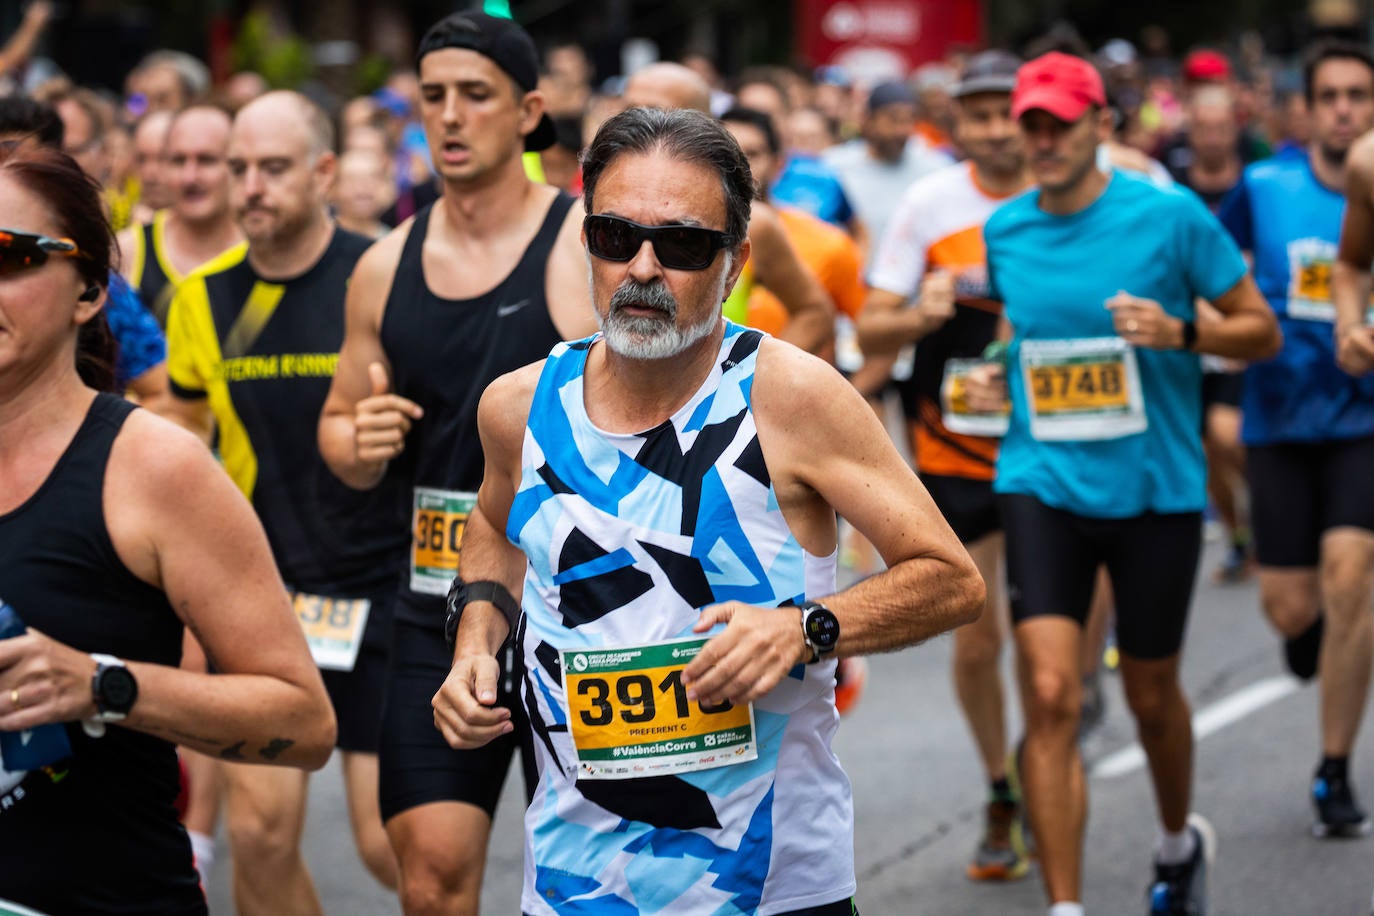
(14, 697)
(1132, 326)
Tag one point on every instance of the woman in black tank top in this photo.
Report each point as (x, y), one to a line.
(116, 530)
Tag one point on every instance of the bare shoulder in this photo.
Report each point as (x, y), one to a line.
(124, 246)
(155, 459)
(1361, 157)
(567, 287)
(504, 410)
(794, 388)
(377, 266)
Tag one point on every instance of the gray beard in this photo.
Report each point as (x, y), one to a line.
(650, 337)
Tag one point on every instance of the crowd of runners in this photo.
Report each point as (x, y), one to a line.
(503, 414)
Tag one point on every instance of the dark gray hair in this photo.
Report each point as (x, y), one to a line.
(687, 135)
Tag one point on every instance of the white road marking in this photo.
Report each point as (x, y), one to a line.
(1206, 721)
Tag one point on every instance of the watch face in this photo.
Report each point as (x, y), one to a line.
(117, 689)
(822, 627)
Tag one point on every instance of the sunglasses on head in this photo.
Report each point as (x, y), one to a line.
(677, 247)
(22, 250)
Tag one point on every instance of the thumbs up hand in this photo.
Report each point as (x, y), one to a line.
(382, 420)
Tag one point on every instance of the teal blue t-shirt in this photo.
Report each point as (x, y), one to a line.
(1054, 275)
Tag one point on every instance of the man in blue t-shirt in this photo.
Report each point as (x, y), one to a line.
(1309, 425)
(1102, 462)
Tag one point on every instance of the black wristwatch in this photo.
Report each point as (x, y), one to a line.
(114, 688)
(461, 594)
(1189, 335)
(820, 629)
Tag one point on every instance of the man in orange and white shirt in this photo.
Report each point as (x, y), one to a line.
(929, 286)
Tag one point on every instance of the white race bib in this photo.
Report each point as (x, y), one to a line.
(629, 715)
(333, 628)
(1082, 389)
(954, 404)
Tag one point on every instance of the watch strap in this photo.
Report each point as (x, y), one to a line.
(104, 662)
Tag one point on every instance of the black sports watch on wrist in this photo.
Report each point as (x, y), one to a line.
(1189, 335)
(461, 594)
(113, 688)
(820, 629)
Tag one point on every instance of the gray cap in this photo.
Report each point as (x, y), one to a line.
(989, 71)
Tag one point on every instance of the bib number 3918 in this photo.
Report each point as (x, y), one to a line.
(629, 714)
(439, 519)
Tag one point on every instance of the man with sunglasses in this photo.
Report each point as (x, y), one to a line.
(663, 497)
(198, 225)
(480, 283)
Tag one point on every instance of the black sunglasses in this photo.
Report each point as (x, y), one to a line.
(676, 246)
(22, 250)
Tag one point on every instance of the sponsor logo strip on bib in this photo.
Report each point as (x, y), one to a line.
(629, 714)
(440, 517)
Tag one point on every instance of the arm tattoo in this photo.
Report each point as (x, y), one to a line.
(233, 751)
(275, 747)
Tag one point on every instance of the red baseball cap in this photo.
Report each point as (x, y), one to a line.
(1064, 85)
(1206, 66)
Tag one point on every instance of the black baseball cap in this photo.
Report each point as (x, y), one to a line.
(990, 71)
(506, 44)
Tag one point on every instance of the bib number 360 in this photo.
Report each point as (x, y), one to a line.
(437, 524)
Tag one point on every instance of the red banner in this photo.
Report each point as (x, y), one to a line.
(885, 39)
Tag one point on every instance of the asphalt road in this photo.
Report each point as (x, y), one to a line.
(918, 795)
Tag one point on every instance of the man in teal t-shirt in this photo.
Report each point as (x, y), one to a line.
(1102, 462)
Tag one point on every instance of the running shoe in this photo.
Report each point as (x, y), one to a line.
(1338, 814)
(1303, 652)
(1235, 568)
(1001, 854)
(1017, 792)
(851, 674)
(1181, 889)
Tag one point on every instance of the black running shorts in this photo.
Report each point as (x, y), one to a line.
(1300, 490)
(968, 505)
(357, 699)
(417, 765)
(1052, 561)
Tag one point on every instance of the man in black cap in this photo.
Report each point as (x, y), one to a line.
(928, 285)
(480, 283)
(878, 168)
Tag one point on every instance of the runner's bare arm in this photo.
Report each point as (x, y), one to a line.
(178, 523)
(1246, 329)
(566, 288)
(464, 710)
(1350, 276)
(363, 426)
(828, 454)
(885, 324)
(811, 321)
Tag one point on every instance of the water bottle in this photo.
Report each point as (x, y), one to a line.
(32, 748)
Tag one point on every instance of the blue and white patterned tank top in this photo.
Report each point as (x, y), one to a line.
(628, 538)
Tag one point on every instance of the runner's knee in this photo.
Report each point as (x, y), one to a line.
(1054, 699)
(261, 837)
(977, 647)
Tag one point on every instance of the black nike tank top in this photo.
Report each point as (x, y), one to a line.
(98, 833)
(443, 354)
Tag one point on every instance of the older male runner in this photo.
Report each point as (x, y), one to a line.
(666, 492)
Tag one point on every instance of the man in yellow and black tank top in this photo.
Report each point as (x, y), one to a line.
(254, 338)
(198, 225)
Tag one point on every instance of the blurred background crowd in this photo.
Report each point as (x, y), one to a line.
(1204, 91)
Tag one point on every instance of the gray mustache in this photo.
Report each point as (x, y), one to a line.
(644, 295)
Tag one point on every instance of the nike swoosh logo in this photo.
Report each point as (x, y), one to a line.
(506, 311)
